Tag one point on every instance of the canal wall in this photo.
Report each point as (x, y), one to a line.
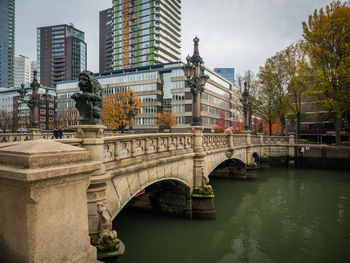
(322, 157)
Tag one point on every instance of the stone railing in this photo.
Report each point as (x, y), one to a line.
(215, 141)
(129, 146)
(17, 137)
(255, 139)
(276, 139)
(239, 139)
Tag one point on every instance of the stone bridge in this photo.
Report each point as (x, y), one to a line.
(131, 163)
(120, 167)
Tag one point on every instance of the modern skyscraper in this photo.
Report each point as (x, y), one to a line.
(227, 73)
(106, 40)
(7, 42)
(23, 71)
(146, 32)
(61, 54)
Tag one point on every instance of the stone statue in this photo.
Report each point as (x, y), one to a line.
(107, 238)
(89, 101)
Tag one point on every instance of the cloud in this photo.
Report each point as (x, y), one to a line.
(233, 33)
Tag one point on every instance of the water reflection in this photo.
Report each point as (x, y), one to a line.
(285, 216)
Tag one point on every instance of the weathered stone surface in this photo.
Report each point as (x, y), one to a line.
(44, 209)
(41, 153)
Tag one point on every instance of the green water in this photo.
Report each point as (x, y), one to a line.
(286, 216)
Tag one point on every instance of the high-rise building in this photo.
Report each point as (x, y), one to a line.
(23, 71)
(7, 42)
(61, 54)
(106, 40)
(146, 32)
(227, 73)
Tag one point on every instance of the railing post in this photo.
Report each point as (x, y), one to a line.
(93, 141)
(248, 139)
(202, 194)
(43, 203)
(229, 137)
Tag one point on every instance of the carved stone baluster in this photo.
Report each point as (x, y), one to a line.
(117, 150)
(147, 143)
(133, 147)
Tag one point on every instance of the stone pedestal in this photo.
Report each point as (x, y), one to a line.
(35, 133)
(93, 141)
(43, 203)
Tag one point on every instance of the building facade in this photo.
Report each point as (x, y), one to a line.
(160, 87)
(7, 43)
(227, 73)
(18, 112)
(23, 70)
(106, 40)
(146, 32)
(61, 54)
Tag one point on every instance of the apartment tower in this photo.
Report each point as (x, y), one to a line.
(61, 54)
(7, 43)
(106, 40)
(146, 32)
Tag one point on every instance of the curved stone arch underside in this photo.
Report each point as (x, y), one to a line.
(213, 161)
(121, 189)
(133, 194)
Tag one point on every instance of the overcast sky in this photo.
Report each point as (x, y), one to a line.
(233, 33)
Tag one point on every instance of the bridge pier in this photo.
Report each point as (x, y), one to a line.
(99, 218)
(202, 195)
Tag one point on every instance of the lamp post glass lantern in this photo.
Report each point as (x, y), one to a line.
(131, 111)
(196, 79)
(245, 103)
(34, 102)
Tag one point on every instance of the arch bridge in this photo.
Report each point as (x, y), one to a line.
(56, 181)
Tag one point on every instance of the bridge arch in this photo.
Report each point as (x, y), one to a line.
(232, 167)
(186, 193)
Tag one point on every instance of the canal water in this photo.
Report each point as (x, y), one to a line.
(287, 215)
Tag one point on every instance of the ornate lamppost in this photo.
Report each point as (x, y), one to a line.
(196, 79)
(34, 102)
(245, 103)
(131, 111)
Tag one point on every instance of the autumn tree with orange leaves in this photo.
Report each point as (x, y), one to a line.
(113, 113)
(166, 119)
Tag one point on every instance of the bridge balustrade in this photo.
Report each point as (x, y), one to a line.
(255, 139)
(276, 139)
(129, 146)
(239, 139)
(215, 141)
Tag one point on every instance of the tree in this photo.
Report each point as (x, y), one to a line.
(327, 43)
(237, 125)
(114, 115)
(166, 119)
(220, 124)
(267, 95)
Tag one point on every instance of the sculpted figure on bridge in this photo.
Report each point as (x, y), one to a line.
(89, 101)
(106, 239)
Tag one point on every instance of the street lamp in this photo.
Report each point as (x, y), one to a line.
(131, 111)
(33, 103)
(245, 103)
(196, 79)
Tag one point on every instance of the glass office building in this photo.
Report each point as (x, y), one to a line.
(146, 32)
(7, 43)
(160, 87)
